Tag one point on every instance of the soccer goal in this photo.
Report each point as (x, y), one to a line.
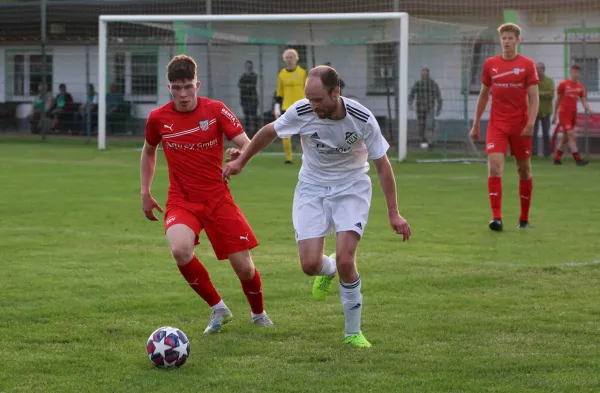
(369, 50)
(221, 44)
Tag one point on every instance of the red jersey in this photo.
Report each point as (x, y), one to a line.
(571, 92)
(509, 81)
(193, 147)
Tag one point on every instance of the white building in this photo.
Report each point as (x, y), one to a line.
(451, 52)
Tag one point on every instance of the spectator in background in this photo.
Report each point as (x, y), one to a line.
(290, 88)
(544, 111)
(88, 112)
(249, 98)
(61, 110)
(39, 108)
(114, 104)
(342, 83)
(427, 93)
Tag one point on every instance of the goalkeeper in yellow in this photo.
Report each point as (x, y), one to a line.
(290, 88)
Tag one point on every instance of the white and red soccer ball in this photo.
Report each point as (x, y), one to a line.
(168, 347)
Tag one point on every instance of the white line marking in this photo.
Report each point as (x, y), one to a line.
(575, 264)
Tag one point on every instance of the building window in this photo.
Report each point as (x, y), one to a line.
(25, 73)
(382, 68)
(135, 75)
(589, 74)
(587, 56)
(481, 51)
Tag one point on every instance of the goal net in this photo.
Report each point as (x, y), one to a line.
(379, 56)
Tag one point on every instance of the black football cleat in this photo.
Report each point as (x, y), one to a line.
(557, 162)
(582, 163)
(496, 225)
(288, 162)
(523, 224)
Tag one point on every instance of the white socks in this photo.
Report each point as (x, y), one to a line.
(256, 316)
(352, 302)
(220, 305)
(329, 267)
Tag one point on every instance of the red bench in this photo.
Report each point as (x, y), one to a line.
(593, 128)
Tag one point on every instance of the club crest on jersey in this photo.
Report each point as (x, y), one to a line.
(204, 125)
(351, 137)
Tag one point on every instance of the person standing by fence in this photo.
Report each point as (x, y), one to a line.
(544, 111)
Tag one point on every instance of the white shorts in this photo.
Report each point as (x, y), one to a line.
(317, 208)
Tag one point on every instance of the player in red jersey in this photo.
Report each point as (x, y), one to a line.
(569, 92)
(191, 131)
(513, 82)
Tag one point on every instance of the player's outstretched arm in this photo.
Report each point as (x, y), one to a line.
(556, 107)
(482, 101)
(147, 168)
(586, 106)
(241, 141)
(263, 138)
(533, 96)
(388, 186)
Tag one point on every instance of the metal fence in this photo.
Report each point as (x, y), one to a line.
(54, 42)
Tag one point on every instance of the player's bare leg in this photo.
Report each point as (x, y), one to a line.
(314, 263)
(350, 285)
(525, 190)
(242, 264)
(572, 143)
(495, 170)
(181, 240)
(560, 149)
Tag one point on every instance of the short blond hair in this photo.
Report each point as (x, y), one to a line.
(510, 28)
(291, 50)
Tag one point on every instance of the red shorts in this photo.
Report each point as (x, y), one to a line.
(225, 224)
(499, 138)
(566, 121)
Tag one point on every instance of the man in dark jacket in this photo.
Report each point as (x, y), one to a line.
(249, 98)
(427, 93)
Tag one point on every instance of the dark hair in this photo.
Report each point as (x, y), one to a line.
(328, 76)
(62, 86)
(181, 67)
(249, 62)
(576, 67)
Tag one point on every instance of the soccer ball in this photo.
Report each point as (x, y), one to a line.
(424, 145)
(168, 347)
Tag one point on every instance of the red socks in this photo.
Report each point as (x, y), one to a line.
(253, 290)
(495, 194)
(558, 155)
(197, 276)
(525, 190)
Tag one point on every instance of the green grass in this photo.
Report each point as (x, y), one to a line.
(85, 279)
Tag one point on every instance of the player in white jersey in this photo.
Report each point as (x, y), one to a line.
(338, 136)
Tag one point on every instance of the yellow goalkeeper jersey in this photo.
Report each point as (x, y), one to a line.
(290, 86)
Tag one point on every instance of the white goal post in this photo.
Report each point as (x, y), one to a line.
(402, 58)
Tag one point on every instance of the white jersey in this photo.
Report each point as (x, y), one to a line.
(334, 151)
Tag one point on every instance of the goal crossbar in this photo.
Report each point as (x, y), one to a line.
(401, 17)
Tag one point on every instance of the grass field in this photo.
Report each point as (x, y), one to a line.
(85, 279)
